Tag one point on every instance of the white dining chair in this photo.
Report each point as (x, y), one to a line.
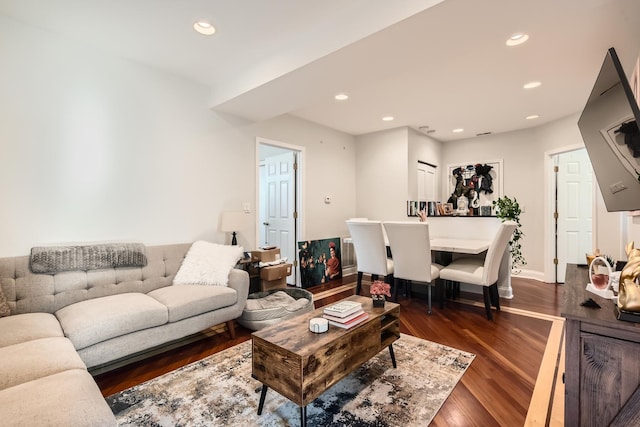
(411, 249)
(371, 251)
(483, 271)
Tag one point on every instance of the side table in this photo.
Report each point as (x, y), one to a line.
(250, 265)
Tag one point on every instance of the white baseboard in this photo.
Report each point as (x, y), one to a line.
(525, 274)
(347, 271)
(530, 274)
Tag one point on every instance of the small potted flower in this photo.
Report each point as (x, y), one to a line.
(378, 291)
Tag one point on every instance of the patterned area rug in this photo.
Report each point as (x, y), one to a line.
(219, 391)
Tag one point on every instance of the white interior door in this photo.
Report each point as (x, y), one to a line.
(426, 182)
(575, 208)
(279, 191)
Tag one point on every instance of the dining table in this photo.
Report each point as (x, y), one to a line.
(452, 236)
(464, 246)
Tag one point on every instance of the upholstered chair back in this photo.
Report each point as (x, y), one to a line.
(371, 250)
(495, 252)
(411, 250)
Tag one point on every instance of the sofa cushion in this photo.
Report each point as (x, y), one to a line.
(99, 319)
(190, 300)
(69, 398)
(29, 326)
(35, 359)
(207, 264)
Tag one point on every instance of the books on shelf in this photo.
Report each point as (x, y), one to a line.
(361, 317)
(342, 308)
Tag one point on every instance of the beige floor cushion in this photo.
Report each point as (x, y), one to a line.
(267, 308)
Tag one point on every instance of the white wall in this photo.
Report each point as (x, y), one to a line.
(522, 177)
(382, 170)
(426, 149)
(386, 170)
(330, 158)
(99, 148)
(633, 227)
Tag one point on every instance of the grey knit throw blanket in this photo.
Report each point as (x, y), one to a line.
(55, 259)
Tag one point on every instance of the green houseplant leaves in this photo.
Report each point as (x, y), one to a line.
(509, 209)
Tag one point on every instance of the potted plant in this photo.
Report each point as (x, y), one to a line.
(509, 210)
(378, 291)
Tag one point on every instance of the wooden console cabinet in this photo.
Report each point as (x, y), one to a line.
(602, 359)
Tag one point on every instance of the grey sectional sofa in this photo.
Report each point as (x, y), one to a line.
(63, 323)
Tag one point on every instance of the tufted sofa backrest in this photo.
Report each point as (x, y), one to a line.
(27, 292)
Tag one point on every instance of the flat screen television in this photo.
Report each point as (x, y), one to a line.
(609, 127)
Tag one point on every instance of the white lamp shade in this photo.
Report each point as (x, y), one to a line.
(232, 221)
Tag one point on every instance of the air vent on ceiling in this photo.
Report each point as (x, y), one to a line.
(483, 133)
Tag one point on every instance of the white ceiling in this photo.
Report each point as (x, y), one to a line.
(442, 64)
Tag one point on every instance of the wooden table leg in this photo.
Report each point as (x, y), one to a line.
(263, 394)
(393, 356)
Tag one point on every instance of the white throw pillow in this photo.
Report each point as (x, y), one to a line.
(208, 264)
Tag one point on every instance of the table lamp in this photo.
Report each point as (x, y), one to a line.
(231, 222)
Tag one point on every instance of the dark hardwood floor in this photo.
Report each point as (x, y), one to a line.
(495, 390)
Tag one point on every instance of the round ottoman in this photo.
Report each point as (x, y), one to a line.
(267, 308)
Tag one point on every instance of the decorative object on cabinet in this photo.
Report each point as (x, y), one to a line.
(590, 258)
(629, 291)
(600, 278)
(612, 262)
(600, 273)
(509, 210)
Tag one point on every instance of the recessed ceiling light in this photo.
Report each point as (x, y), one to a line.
(516, 39)
(387, 118)
(531, 85)
(203, 27)
(341, 97)
(532, 116)
(458, 130)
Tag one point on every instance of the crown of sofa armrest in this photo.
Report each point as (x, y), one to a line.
(239, 281)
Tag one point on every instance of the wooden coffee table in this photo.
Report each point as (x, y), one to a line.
(301, 365)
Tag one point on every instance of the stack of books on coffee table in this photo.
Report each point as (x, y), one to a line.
(345, 314)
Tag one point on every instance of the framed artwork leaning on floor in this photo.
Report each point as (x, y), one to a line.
(320, 261)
